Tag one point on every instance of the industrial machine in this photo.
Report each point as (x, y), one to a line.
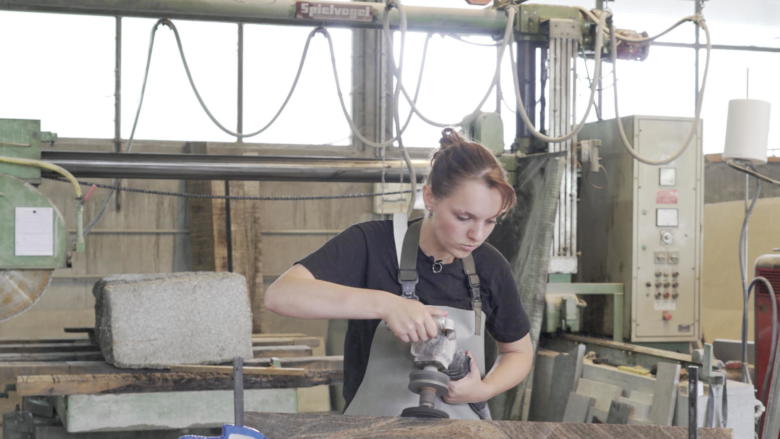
(33, 238)
(767, 266)
(642, 225)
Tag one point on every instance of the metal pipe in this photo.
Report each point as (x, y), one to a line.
(526, 72)
(693, 399)
(222, 167)
(240, 84)
(289, 12)
(117, 98)
(719, 47)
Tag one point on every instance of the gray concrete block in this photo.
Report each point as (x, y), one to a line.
(149, 321)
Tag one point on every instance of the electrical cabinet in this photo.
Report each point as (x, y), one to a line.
(642, 225)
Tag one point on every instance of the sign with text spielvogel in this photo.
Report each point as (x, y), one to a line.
(333, 11)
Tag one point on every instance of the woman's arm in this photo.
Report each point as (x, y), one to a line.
(511, 367)
(297, 293)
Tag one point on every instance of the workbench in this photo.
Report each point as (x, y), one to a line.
(55, 379)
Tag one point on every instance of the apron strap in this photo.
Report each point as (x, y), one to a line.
(476, 301)
(400, 224)
(407, 269)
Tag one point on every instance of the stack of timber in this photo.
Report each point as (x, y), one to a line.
(76, 366)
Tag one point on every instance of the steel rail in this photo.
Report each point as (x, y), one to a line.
(286, 12)
(224, 167)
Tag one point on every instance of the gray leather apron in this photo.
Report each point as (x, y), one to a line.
(384, 390)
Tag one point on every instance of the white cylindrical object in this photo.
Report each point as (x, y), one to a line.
(747, 130)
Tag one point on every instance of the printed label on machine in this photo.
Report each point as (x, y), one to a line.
(333, 11)
(665, 305)
(34, 231)
(666, 196)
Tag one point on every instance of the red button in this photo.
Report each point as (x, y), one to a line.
(667, 316)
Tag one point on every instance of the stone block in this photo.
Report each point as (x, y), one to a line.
(154, 320)
(166, 410)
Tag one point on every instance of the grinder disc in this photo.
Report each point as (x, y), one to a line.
(20, 289)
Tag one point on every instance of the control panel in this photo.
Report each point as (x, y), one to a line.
(643, 227)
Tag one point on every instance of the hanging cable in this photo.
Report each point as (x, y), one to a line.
(203, 103)
(752, 172)
(598, 45)
(700, 96)
(507, 38)
(743, 278)
(103, 207)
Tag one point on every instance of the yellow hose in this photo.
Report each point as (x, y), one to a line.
(73, 181)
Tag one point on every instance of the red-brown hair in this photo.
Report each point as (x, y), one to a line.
(458, 159)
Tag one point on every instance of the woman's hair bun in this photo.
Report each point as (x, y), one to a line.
(450, 137)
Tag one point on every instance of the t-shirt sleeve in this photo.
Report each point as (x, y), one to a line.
(341, 260)
(509, 321)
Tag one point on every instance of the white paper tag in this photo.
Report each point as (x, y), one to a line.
(34, 233)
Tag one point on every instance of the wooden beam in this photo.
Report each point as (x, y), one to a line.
(328, 426)
(144, 381)
(282, 351)
(275, 341)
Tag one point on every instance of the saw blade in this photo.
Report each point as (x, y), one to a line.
(20, 289)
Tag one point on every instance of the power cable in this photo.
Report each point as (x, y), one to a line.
(752, 172)
(697, 112)
(598, 45)
(743, 281)
(102, 210)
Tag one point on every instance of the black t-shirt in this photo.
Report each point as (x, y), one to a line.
(364, 256)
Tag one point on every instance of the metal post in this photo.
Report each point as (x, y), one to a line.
(117, 99)
(238, 391)
(693, 399)
(240, 84)
(228, 228)
(372, 88)
(526, 72)
(698, 9)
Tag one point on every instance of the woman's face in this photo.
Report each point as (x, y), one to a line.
(463, 220)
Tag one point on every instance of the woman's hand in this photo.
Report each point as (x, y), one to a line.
(410, 320)
(470, 388)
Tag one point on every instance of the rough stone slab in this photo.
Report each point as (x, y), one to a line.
(544, 364)
(327, 426)
(619, 412)
(603, 393)
(566, 371)
(665, 393)
(166, 410)
(149, 321)
(577, 408)
(640, 410)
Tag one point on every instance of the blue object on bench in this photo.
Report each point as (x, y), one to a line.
(231, 432)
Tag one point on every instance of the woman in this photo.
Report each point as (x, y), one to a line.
(355, 276)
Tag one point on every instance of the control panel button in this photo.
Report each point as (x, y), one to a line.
(666, 316)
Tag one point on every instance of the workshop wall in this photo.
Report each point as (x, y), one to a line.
(724, 211)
